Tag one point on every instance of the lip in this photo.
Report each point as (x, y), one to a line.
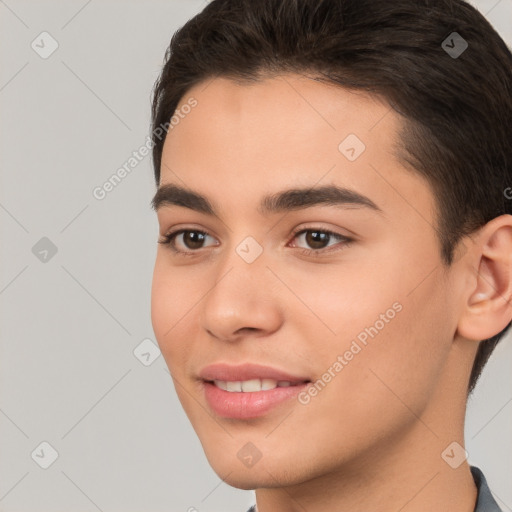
(247, 371)
(243, 406)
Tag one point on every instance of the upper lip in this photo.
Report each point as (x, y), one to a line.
(247, 371)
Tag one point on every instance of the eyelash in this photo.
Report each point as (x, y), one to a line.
(168, 240)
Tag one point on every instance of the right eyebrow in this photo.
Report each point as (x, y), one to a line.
(287, 200)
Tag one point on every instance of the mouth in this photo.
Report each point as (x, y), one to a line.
(248, 391)
(252, 385)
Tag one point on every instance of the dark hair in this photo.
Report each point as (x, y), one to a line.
(457, 108)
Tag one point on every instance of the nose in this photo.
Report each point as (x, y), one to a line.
(243, 301)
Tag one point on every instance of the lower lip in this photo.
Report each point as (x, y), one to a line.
(239, 405)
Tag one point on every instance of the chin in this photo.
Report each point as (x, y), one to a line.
(248, 480)
(245, 484)
(269, 473)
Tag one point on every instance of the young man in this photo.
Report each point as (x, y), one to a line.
(335, 265)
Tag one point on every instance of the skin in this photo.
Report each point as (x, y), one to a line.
(372, 438)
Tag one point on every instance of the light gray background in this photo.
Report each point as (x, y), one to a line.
(69, 325)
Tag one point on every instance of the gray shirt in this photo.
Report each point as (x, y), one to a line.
(485, 501)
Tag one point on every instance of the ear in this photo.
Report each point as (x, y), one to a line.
(488, 307)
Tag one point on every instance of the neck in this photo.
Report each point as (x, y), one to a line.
(407, 476)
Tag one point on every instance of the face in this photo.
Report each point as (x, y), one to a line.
(337, 297)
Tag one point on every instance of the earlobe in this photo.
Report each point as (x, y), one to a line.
(488, 309)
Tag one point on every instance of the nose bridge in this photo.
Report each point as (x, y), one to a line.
(239, 278)
(240, 297)
(243, 266)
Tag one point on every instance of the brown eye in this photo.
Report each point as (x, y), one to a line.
(189, 240)
(193, 239)
(318, 242)
(317, 239)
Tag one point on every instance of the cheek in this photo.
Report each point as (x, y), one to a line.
(334, 304)
(161, 300)
(398, 364)
(403, 357)
(170, 302)
(392, 321)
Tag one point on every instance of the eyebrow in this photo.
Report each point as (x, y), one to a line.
(286, 200)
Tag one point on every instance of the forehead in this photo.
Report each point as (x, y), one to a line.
(257, 137)
(285, 118)
(275, 104)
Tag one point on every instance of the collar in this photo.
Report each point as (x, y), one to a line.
(485, 501)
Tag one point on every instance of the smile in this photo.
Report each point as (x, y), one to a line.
(248, 390)
(250, 386)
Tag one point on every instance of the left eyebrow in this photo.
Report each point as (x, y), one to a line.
(286, 200)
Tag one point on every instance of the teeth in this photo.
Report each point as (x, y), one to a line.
(234, 386)
(268, 384)
(221, 384)
(248, 386)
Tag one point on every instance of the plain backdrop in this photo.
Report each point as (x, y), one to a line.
(76, 271)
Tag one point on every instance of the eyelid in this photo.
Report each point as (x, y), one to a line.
(327, 231)
(345, 240)
(315, 227)
(169, 240)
